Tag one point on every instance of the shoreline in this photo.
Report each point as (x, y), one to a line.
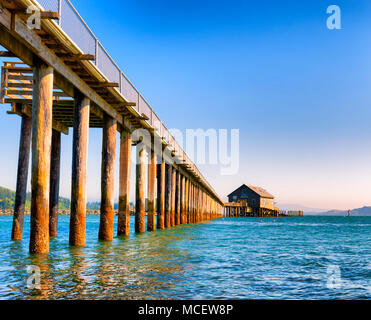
(89, 212)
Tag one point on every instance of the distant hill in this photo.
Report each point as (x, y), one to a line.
(7, 198)
(96, 205)
(359, 212)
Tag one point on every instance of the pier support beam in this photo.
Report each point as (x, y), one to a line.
(107, 178)
(194, 203)
(173, 194)
(139, 191)
(204, 210)
(186, 201)
(161, 195)
(191, 189)
(151, 223)
(123, 225)
(22, 174)
(182, 201)
(55, 166)
(197, 203)
(168, 179)
(177, 199)
(79, 164)
(42, 109)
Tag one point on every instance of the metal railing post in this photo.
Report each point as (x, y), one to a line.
(60, 11)
(96, 51)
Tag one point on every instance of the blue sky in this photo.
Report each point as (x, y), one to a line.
(299, 92)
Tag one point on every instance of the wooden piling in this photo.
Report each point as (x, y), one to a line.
(123, 225)
(198, 199)
(161, 195)
(197, 205)
(182, 201)
(139, 191)
(107, 178)
(79, 170)
(22, 174)
(55, 165)
(187, 200)
(207, 215)
(168, 179)
(194, 203)
(42, 109)
(191, 202)
(173, 194)
(203, 206)
(177, 199)
(151, 209)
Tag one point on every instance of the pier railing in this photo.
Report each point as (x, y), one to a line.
(84, 39)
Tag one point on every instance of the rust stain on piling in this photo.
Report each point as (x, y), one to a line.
(123, 226)
(151, 223)
(177, 198)
(173, 193)
(168, 179)
(108, 178)
(54, 183)
(161, 195)
(23, 161)
(79, 170)
(139, 192)
(41, 144)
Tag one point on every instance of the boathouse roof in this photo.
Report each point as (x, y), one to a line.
(259, 190)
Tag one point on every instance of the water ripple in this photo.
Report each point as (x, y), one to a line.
(230, 258)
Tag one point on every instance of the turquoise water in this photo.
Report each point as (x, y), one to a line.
(229, 258)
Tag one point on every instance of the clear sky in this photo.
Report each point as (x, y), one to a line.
(299, 92)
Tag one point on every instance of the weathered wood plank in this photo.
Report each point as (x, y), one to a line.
(168, 179)
(108, 178)
(79, 169)
(41, 147)
(151, 213)
(139, 191)
(123, 227)
(173, 193)
(177, 199)
(22, 173)
(27, 110)
(54, 183)
(161, 195)
(182, 201)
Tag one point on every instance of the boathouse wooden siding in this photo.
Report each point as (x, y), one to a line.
(255, 197)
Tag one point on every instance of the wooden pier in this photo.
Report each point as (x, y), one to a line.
(235, 209)
(238, 210)
(65, 81)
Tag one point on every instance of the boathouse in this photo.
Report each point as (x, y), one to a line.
(250, 200)
(256, 197)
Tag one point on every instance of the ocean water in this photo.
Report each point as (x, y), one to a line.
(228, 258)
